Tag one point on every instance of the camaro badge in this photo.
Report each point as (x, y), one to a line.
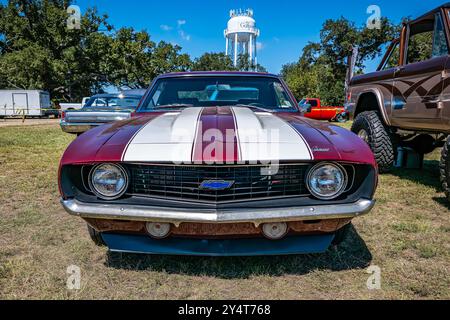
(216, 185)
(317, 149)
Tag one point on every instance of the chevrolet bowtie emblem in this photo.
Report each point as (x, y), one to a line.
(216, 185)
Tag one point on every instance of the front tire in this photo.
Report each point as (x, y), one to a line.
(371, 129)
(96, 237)
(445, 168)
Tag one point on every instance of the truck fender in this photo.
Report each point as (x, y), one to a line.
(373, 100)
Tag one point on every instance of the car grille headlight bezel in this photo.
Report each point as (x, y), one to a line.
(341, 187)
(116, 194)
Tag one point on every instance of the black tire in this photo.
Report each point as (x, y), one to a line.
(96, 237)
(378, 138)
(445, 168)
(341, 234)
(340, 118)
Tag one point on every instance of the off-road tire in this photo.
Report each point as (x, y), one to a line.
(444, 167)
(342, 234)
(380, 141)
(96, 236)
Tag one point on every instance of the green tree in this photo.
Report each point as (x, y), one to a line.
(133, 59)
(39, 51)
(321, 69)
(167, 58)
(244, 64)
(213, 62)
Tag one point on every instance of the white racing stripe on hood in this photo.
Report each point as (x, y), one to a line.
(167, 138)
(262, 136)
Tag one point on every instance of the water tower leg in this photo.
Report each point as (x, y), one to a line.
(250, 48)
(255, 58)
(226, 46)
(235, 49)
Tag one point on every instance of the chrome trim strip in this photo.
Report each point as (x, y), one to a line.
(256, 216)
(78, 127)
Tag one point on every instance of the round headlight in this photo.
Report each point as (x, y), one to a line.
(327, 181)
(108, 181)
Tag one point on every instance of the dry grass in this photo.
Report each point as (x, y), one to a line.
(407, 236)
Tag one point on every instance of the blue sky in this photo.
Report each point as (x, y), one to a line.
(286, 26)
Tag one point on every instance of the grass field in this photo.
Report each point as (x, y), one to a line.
(407, 236)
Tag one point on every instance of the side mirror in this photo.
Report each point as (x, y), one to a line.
(305, 108)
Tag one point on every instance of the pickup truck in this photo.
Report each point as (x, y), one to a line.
(74, 106)
(315, 110)
(406, 102)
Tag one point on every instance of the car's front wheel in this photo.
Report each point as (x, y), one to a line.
(96, 236)
(369, 127)
(445, 168)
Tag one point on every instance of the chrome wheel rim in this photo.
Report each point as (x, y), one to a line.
(363, 135)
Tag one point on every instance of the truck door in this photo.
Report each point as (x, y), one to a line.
(445, 103)
(20, 103)
(418, 83)
(316, 112)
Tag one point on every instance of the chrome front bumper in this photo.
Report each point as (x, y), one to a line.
(78, 127)
(178, 216)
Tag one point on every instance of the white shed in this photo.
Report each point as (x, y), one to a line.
(34, 103)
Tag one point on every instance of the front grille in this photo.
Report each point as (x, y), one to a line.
(249, 182)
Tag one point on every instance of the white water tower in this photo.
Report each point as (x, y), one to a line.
(241, 36)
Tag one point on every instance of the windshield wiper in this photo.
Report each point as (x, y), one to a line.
(254, 107)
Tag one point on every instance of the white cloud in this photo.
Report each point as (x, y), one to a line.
(259, 45)
(181, 22)
(184, 35)
(165, 27)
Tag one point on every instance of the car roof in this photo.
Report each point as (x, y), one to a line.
(115, 95)
(217, 73)
(134, 92)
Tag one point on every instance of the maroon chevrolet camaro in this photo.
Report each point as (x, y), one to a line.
(218, 164)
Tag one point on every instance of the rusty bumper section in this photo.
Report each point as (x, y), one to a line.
(216, 231)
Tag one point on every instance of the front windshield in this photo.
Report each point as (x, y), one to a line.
(304, 101)
(114, 102)
(260, 92)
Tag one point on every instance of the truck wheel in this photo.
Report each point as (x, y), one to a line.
(445, 168)
(341, 234)
(369, 127)
(341, 118)
(96, 236)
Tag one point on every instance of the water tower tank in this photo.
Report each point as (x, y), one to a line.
(241, 35)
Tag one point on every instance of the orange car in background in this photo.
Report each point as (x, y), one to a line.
(315, 110)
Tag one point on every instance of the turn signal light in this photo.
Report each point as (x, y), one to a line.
(158, 230)
(275, 231)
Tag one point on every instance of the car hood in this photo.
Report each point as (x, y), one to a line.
(218, 135)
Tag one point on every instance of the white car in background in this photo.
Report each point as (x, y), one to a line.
(101, 109)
